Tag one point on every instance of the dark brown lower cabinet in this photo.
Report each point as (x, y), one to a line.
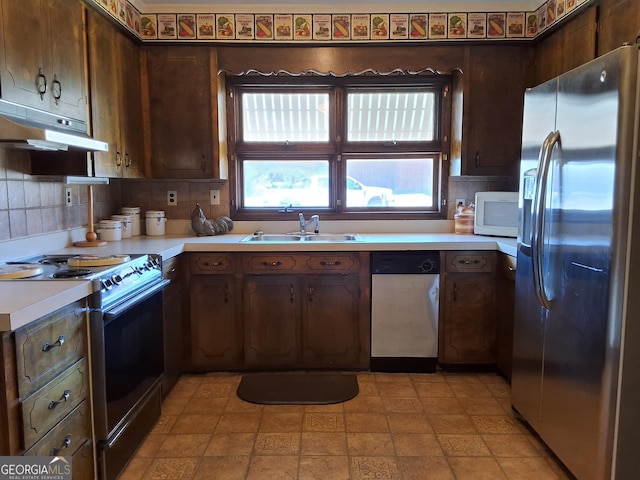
(468, 309)
(505, 305)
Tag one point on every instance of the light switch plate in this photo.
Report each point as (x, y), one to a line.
(214, 197)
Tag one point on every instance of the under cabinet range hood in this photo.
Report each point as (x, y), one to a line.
(30, 129)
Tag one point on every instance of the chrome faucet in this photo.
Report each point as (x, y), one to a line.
(304, 224)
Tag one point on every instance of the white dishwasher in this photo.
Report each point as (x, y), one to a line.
(404, 311)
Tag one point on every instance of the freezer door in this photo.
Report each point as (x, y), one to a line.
(528, 348)
(576, 257)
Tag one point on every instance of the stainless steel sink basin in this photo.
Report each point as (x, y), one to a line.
(295, 238)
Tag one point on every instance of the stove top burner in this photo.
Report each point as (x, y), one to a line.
(77, 272)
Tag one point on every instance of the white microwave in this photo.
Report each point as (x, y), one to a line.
(496, 214)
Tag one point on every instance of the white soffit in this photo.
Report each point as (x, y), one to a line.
(333, 6)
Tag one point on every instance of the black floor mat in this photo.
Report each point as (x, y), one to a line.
(297, 388)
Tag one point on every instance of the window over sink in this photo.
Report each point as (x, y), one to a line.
(345, 147)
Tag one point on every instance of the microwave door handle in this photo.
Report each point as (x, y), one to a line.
(538, 218)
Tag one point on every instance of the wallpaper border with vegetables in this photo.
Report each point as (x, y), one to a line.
(352, 27)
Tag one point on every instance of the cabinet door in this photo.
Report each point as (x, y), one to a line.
(105, 111)
(130, 94)
(66, 40)
(495, 81)
(216, 334)
(467, 333)
(271, 319)
(24, 46)
(330, 321)
(505, 305)
(180, 111)
(173, 337)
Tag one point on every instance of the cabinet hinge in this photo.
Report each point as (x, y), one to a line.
(339, 158)
(445, 91)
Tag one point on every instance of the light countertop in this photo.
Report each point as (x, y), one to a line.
(21, 303)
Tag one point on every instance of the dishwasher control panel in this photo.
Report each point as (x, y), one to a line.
(406, 262)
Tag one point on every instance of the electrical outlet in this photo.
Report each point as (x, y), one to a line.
(68, 197)
(214, 197)
(462, 201)
(172, 198)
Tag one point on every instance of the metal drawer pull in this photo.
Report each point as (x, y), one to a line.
(468, 262)
(65, 396)
(271, 264)
(213, 264)
(331, 263)
(48, 346)
(65, 444)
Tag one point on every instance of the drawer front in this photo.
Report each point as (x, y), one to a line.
(211, 263)
(507, 266)
(46, 407)
(50, 345)
(481, 262)
(341, 263)
(66, 437)
(269, 263)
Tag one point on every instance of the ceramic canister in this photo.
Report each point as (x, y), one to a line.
(109, 230)
(135, 218)
(155, 221)
(127, 226)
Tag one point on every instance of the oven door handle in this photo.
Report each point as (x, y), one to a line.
(114, 312)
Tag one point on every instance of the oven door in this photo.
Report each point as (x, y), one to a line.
(127, 354)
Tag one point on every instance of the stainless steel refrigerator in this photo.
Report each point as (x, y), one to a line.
(576, 365)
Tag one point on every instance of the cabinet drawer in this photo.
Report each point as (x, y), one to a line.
(332, 263)
(269, 263)
(42, 410)
(66, 437)
(470, 261)
(50, 345)
(211, 263)
(507, 266)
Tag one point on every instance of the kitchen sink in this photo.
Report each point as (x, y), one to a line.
(315, 237)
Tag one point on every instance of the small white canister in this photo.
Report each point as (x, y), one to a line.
(127, 227)
(109, 230)
(134, 212)
(155, 221)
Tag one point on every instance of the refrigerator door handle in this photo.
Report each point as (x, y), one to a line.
(537, 217)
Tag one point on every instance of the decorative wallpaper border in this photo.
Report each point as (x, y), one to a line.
(352, 28)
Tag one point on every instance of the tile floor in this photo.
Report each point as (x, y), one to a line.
(441, 426)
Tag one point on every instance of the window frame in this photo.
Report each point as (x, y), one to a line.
(337, 150)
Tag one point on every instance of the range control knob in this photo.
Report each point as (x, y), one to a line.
(116, 279)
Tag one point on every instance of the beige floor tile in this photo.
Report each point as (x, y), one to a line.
(463, 377)
(426, 377)
(433, 389)
(364, 403)
(239, 422)
(365, 468)
(165, 423)
(481, 406)
(223, 444)
(235, 404)
(174, 405)
(173, 468)
(215, 390)
(151, 445)
(473, 468)
(365, 422)
(510, 445)
(189, 445)
(136, 468)
(368, 389)
(320, 443)
(499, 390)
(409, 423)
(464, 389)
(273, 467)
(286, 408)
(535, 468)
(205, 405)
(222, 468)
(369, 444)
(392, 389)
(442, 405)
(496, 424)
(425, 468)
(402, 404)
(324, 468)
(452, 424)
(195, 424)
(281, 422)
(183, 389)
(323, 422)
(396, 378)
(333, 407)
(277, 444)
(463, 445)
(416, 445)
